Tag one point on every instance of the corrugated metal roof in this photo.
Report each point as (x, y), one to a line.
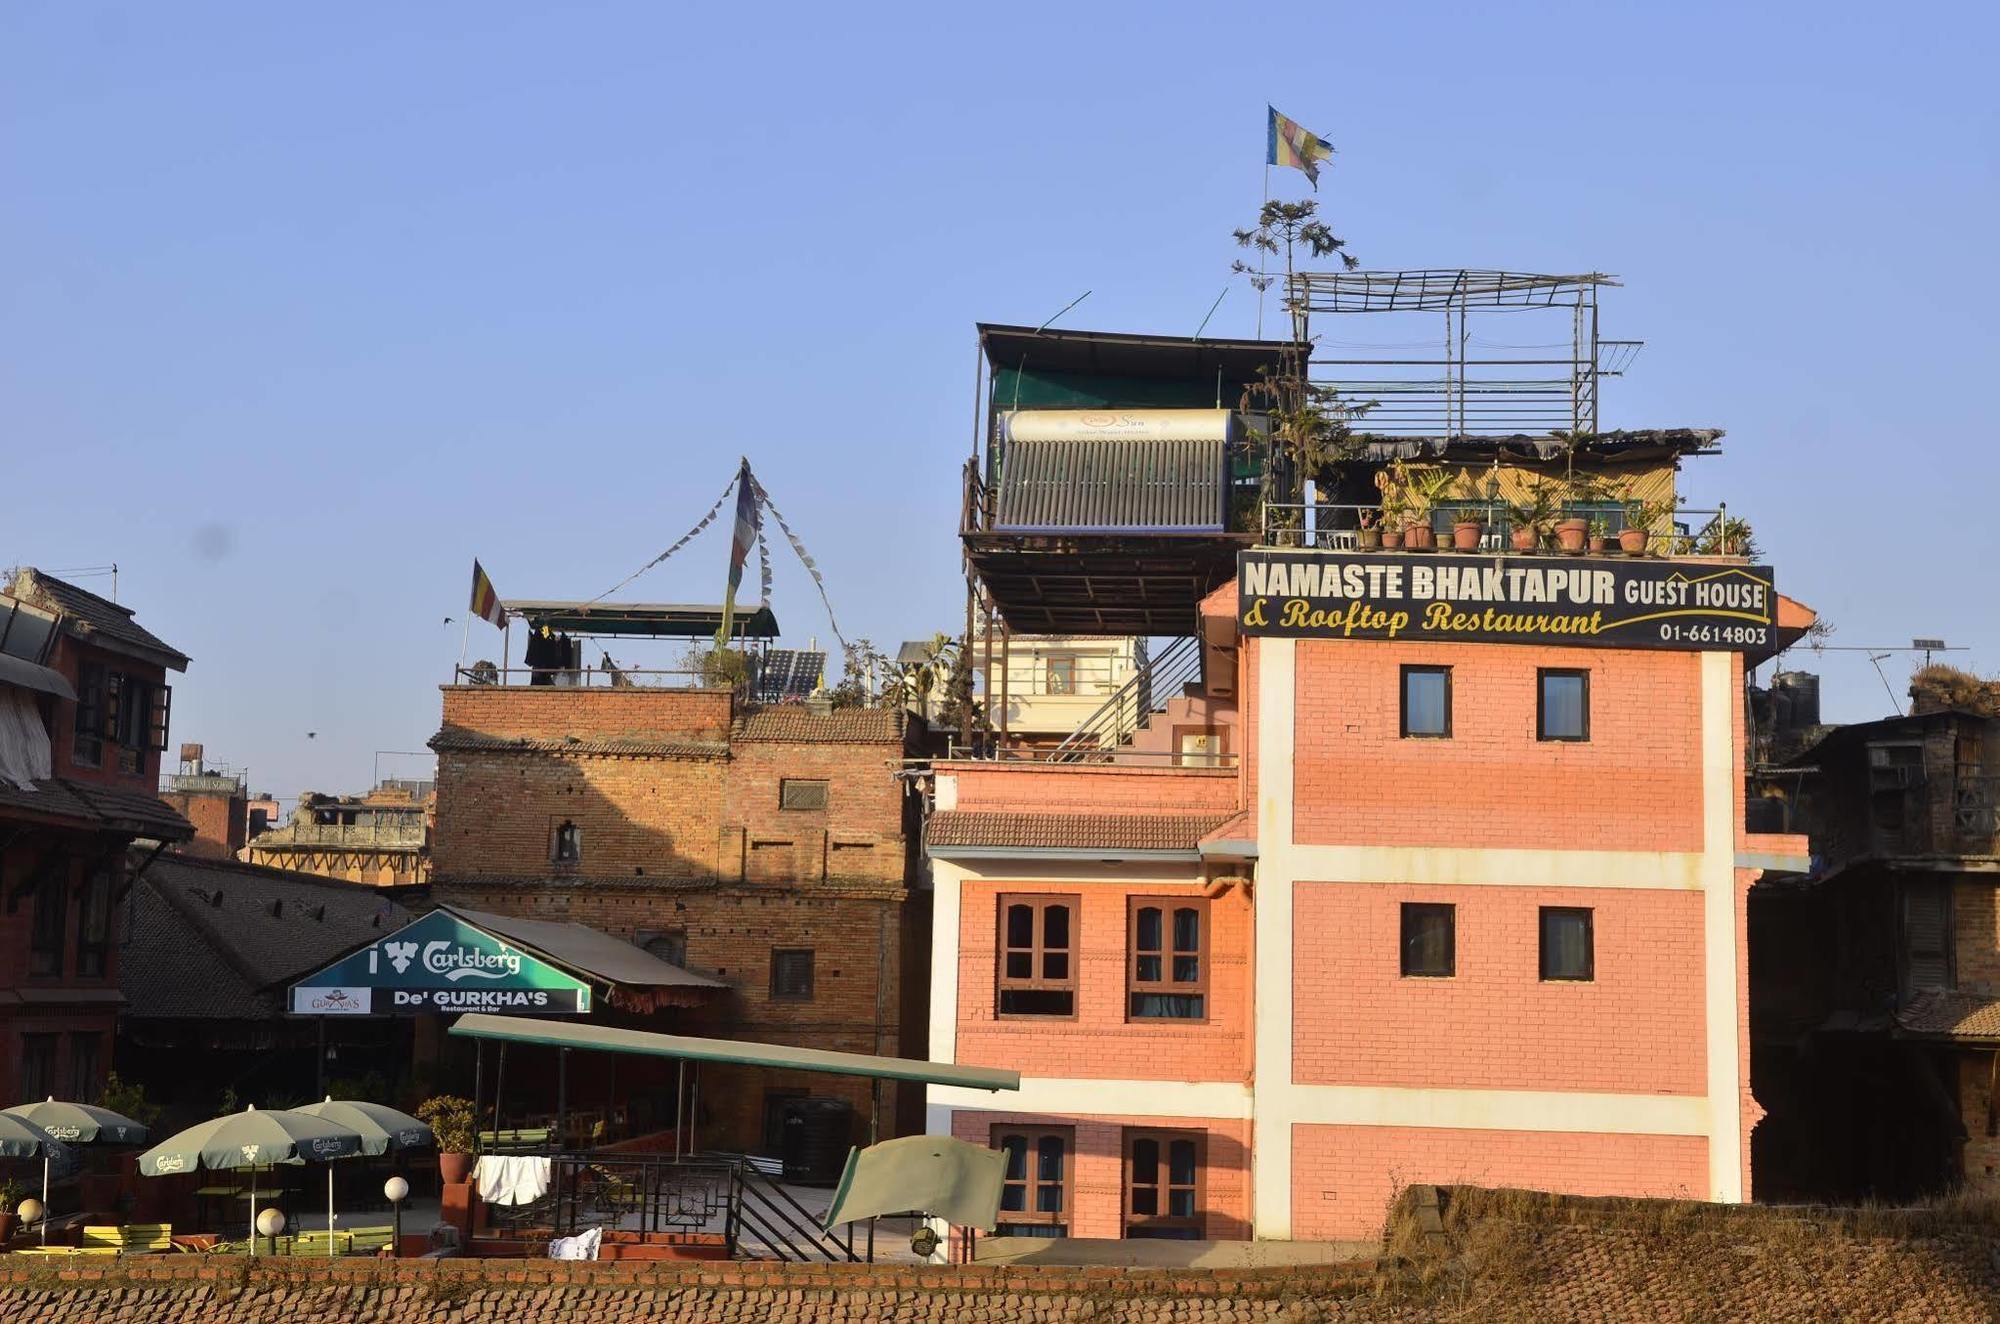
(586, 951)
(1090, 486)
(611, 1039)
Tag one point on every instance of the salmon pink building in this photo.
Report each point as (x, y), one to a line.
(1453, 890)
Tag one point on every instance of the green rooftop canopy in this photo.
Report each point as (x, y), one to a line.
(938, 1175)
(609, 1039)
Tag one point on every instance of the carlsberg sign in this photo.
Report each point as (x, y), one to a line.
(441, 962)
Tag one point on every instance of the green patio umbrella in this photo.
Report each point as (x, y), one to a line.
(20, 1140)
(74, 1124)
(382, 1130)
(247, 1139)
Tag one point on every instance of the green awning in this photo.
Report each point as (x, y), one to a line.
(936, 1175)
(610, 1039)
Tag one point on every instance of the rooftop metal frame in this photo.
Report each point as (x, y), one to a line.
(1457, 387)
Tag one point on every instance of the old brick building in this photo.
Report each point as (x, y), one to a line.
(1876, 1001)
(771, 847)
(83, 717)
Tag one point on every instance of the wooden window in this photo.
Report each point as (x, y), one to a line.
(1034, 1191)
(50, 925)
(1568, 943)
(1562, 704)
(791, 974)
(1060, 674)
(1167, 961)
(84, 1059)
(797, 793)
(670, 945)
(38, 1066)
(1037, 965)
(87, 746)
(1430, 940)
(1426, 703)
(1163, 1184)
(566, 845)
(93, 926)
(1927, 936)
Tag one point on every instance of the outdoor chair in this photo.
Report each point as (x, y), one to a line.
(314, 1243)
(370, 1240)
(132, 1238)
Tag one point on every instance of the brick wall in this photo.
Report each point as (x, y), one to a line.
(1096, 1178)
(47, 1014)
(640, 816)
(1102, 1042)
(1343, 1177)
(218, 819)
(550, 711)
(1634, 785)
(1976, 920)
(1637, 1027)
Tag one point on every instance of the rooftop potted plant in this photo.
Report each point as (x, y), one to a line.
(1370, 536)
(1640, 516)
(11, 1194)
(1600, 534)
(1421, 489)
(1530, 515)
(1726, 536)
(451, 1120)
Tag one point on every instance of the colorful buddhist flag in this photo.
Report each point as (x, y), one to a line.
(485, 600)
(749, 521)
(1288, 144)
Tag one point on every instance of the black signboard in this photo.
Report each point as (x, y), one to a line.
(1592, 602)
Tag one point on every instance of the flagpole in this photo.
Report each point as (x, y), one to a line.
(464, 640)
(1261, 279)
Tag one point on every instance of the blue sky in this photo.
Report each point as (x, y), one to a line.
(305, 306)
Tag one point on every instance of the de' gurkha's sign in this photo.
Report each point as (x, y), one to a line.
(1507, 599)
(440, 963)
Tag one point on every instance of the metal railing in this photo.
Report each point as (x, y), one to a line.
(590, 678)
(653, 1195)
(1332, 527)
(1119, 717)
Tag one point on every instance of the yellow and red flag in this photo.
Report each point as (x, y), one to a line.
(1288, 144)
(485, 600)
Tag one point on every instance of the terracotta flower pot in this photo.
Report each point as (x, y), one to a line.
(1597, 542)
(1524, 537)
(454, 1167)
(1465, 535)
(1392, 540)
(1571, 533)
(1419, 538)
(8, 1222)
(1632, 541)
(1369, 539)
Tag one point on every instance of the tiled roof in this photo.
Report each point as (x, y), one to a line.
(459, 740)
(1952, 1014)
(218, 939)
(97, 620)
(105, 807)
(796, 722)
(1113, 832)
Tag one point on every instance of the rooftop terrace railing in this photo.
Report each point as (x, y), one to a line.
(1691, 531)
(588, 678)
